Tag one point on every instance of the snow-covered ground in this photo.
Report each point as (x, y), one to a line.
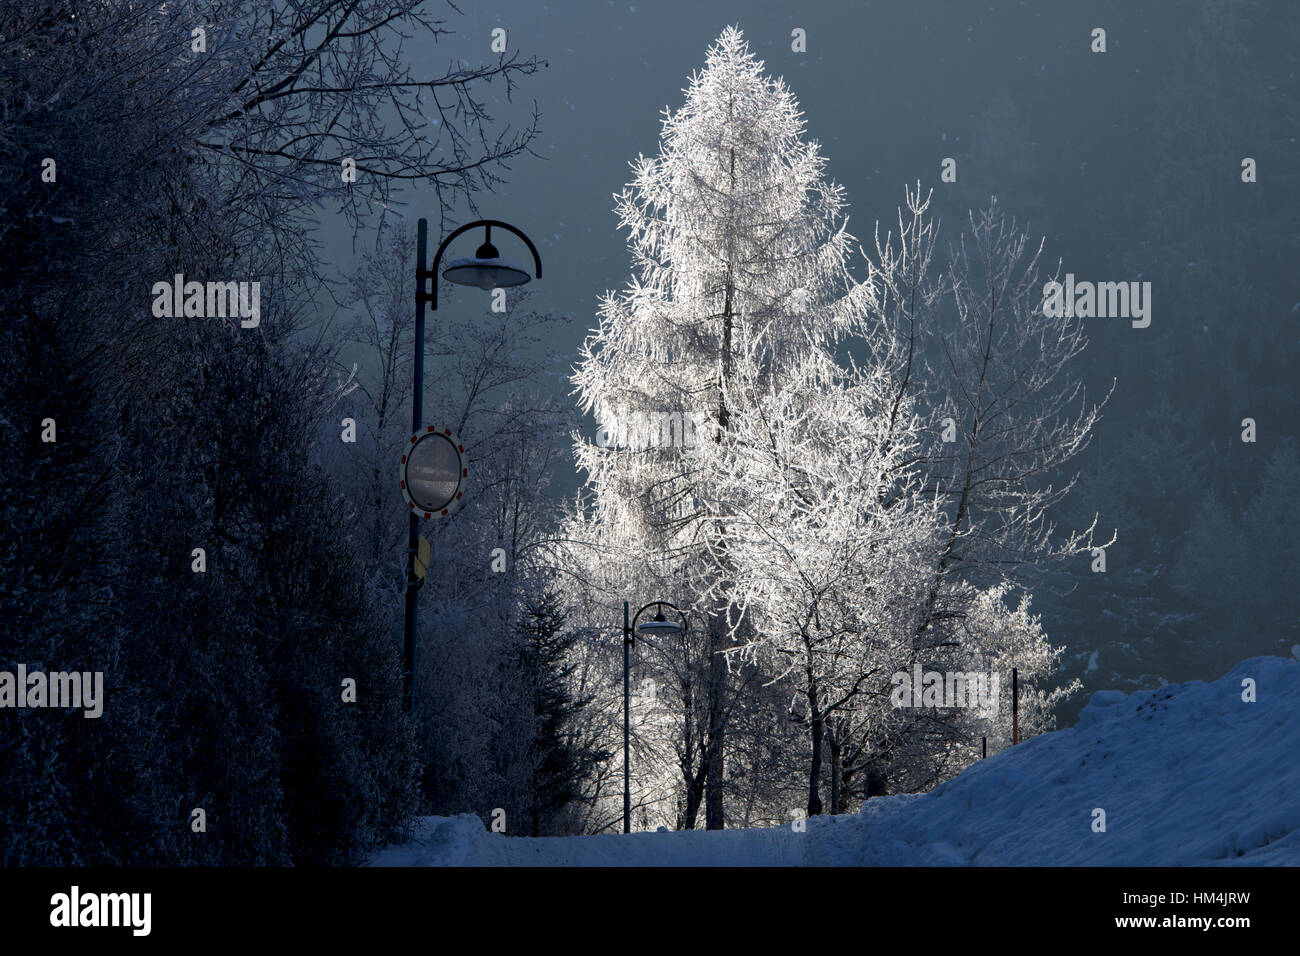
(1189, 774)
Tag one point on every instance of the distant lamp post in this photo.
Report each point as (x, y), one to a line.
(433, 467)
(656, 625)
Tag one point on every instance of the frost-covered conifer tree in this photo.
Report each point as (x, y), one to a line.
(740, 251)
(766, 451)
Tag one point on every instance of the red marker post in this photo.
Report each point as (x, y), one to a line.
(1015, 706)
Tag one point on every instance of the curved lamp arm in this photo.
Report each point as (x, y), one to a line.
(422, 273)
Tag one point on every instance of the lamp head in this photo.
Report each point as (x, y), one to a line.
(659, 625)
(487, 270)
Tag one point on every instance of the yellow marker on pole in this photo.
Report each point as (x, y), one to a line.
(422, 558)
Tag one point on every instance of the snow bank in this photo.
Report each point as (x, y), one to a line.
(1189, 774)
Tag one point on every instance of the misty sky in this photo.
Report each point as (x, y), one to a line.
(888, 89)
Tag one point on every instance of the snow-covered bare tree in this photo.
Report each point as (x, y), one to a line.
(996, 378)
(316, 102)
(828, 537)
(993, 377)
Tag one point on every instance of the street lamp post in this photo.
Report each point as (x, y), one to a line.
(487, 270)
(657, 625)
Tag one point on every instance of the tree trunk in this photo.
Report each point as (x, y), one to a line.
(816, 721)
(877, 784)
(717, 667)
(692, 779)
(815, 771)
(837, 797)
(846, 787)
(714, 818)
(694, 796)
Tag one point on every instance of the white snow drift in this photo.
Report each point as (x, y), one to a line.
(1190, 774)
